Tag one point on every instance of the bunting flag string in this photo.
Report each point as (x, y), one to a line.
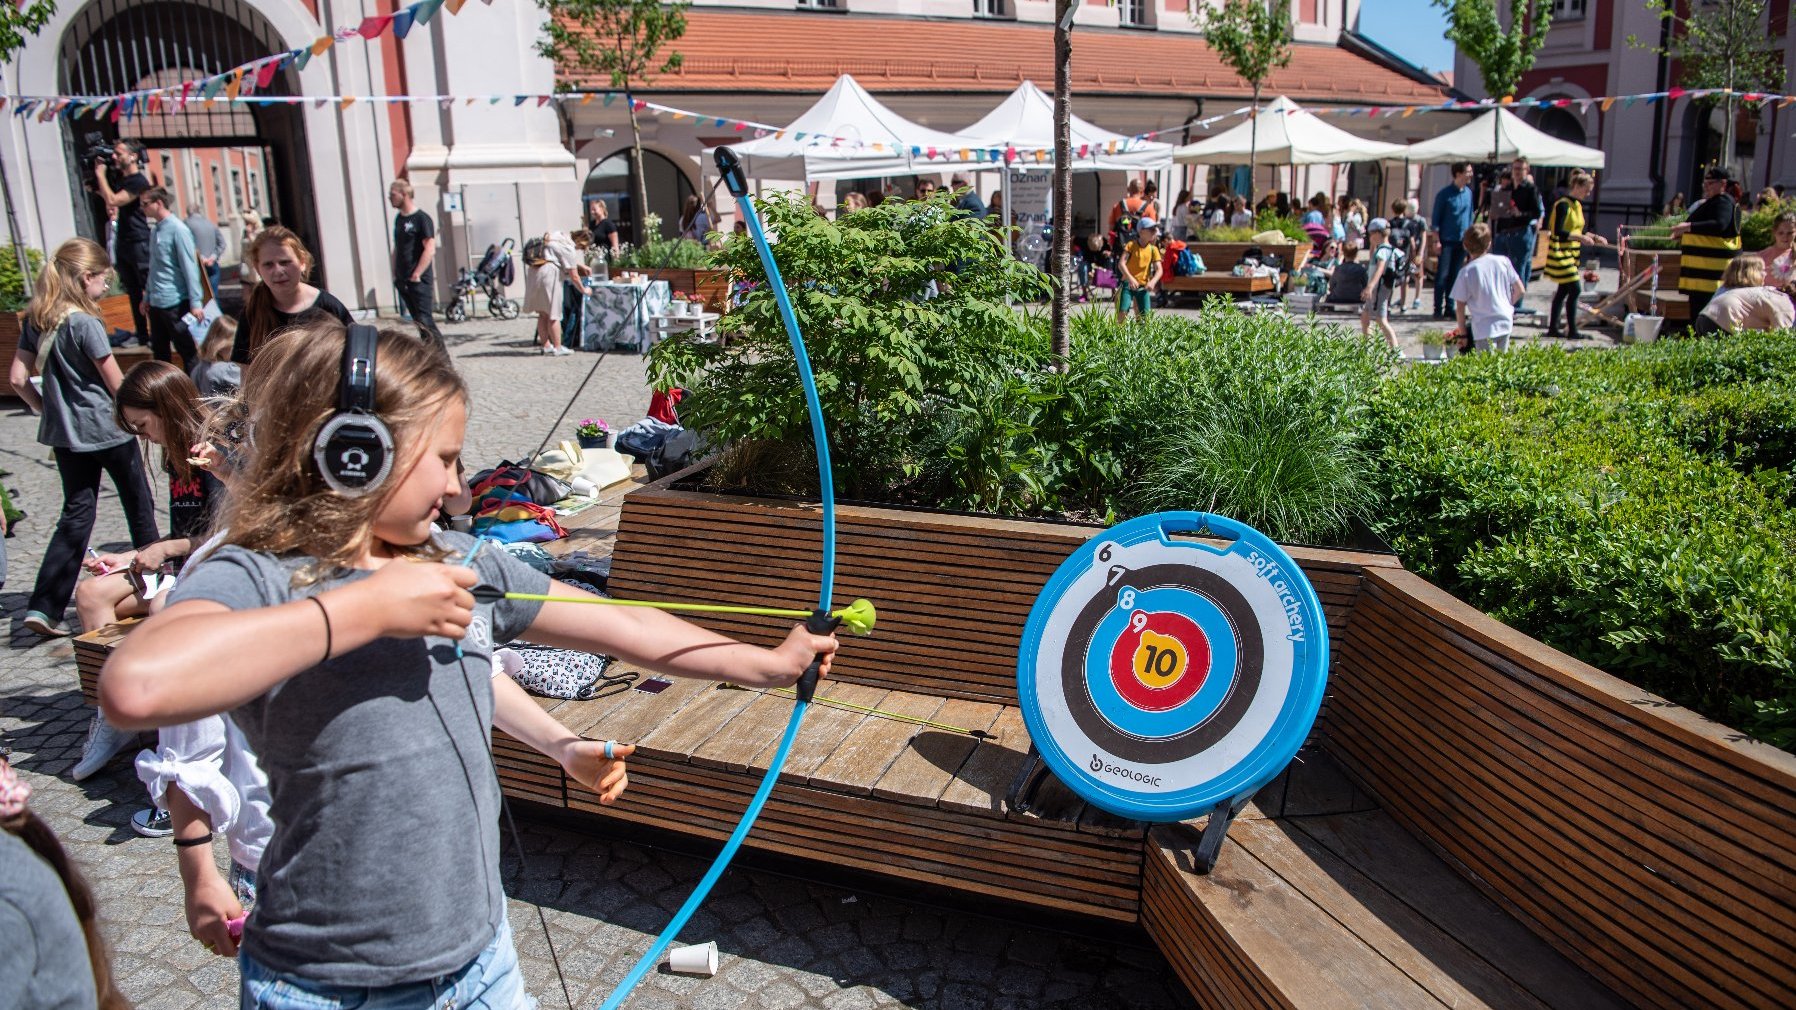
(243, 86)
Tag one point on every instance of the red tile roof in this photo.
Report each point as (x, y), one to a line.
(736, 50)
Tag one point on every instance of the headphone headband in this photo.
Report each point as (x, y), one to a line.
(356, 392)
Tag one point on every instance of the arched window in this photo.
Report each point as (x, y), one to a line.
(610, 181)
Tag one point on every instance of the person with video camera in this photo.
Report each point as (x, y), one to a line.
(120, 181)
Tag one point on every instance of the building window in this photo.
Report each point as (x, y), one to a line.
(989, 9)
(255, 189)
(218, 192)
(1569, 10)
(822, 5)
(237, 185)
(168, 171)
(1135, 13)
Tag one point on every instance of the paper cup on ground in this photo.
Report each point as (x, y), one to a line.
(700, 959)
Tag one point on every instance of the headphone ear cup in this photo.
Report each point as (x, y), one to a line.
(354, 454)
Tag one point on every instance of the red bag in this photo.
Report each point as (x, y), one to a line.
(662, 404)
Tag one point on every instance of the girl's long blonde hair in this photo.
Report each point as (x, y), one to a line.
(280, 504)
(61, 287)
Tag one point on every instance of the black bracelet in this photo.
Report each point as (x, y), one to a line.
(327, 628)
(188, 843)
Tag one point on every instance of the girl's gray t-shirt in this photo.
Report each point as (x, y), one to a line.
(43, 953)
(384, 865)
(77, 404)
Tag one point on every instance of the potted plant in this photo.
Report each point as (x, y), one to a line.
(1434, 345)
(696, 304)
(678, 306)
(593, 434)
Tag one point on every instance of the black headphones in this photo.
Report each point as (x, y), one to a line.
(354, 450)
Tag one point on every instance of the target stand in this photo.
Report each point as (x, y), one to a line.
(1164, 678)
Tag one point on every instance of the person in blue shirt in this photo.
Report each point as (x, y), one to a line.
(173, 287)
(1452, 216)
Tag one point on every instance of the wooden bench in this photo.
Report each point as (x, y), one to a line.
(1320, 899)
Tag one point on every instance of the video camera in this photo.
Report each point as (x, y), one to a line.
(99, 152)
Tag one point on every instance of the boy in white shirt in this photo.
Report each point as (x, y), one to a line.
(1486, 292)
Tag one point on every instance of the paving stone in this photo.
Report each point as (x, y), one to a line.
(787, 943)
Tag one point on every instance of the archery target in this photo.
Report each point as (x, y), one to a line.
(1161, 676)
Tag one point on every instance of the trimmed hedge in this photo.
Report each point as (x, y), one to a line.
(1634, 508)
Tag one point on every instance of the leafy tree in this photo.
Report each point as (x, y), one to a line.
(621, 39)
(1728, 46)
(1503, 54)
(20, 22)
(1252, 37)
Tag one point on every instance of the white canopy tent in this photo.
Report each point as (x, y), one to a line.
(847, 134)
(1025, 121)
(1287, 135)
(1506, 135)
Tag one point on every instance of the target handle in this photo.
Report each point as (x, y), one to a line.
(819, 623)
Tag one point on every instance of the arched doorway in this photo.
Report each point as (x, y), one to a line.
(611, 181)
(225, 159)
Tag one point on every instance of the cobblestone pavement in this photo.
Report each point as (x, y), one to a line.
(784, 942)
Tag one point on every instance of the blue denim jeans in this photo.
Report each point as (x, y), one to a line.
(1452, 258)
(1518, 247)
(491, 981)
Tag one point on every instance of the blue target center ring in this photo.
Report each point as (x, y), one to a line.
(1160, 675)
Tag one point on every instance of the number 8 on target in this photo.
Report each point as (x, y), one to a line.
(1162, 675)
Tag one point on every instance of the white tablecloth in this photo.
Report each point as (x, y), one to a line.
(617, 314)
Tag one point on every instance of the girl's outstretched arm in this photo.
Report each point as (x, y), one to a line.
(198, 657)
(667, 644)
(583, 760)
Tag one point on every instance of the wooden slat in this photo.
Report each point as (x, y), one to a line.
(870, 748)
(1655, 848)
(932, 757)
(979, 786)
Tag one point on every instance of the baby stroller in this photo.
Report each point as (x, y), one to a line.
(491, 276)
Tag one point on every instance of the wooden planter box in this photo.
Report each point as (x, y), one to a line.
(1654, 848)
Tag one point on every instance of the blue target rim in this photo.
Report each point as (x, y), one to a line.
(1264, 761)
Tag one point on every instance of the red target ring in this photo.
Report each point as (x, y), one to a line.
(1161, 661)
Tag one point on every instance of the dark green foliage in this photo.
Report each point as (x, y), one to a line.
(1634, 508)
(14, 293)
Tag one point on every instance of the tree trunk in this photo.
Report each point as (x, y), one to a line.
(1253, 143)
(1062, 259)
(640, 194)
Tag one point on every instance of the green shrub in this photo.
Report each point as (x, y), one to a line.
(1270, 220)
(1225, 233)
(663, 253)
(1656, 235)
(1755, 228)
(903, 309)
(13, 291)
(1633, 508)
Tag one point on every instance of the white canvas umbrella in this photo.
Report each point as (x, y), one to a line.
(847, 134)
(1288, 135)
(1505, 135)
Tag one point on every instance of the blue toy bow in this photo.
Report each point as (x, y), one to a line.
(820, 622)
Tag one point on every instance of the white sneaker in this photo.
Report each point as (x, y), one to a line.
(562, 351)
(152, 822)
(40, 624)
(104, 742)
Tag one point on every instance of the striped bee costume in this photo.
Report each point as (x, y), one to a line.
(1713, 240)
(1563, 229)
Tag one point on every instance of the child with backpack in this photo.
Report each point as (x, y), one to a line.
(344, 638)
(1387, 266)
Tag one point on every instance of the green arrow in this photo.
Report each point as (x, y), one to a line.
(859, 616)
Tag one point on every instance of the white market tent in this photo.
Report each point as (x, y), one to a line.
(1025, 121)
(1288, 135)
(1505, 134)
(847, 134)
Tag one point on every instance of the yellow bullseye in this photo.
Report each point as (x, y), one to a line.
(1159, 660)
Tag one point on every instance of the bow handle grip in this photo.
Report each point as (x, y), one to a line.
(729, 166)
(819, 623)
